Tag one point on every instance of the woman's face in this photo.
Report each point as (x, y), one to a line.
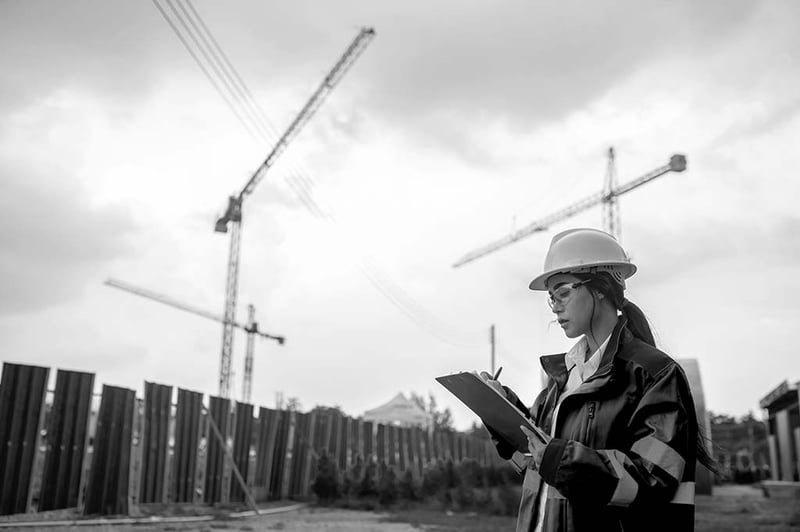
(572, 306)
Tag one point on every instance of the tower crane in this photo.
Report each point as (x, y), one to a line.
(608, 197)
(233, 213)
(251, 327)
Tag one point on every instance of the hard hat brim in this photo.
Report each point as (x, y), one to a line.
(540, 281)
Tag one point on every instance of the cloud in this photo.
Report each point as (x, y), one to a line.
(106, 48)
(54, 238)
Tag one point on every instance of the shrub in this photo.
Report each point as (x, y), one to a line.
(433, 479)
(471, 473)
(406, 489)
(387, 487)
(326, 484)
(368, 487)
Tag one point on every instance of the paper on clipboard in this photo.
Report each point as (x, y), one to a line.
(494, 410)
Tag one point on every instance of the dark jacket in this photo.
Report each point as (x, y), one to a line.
(624, 451)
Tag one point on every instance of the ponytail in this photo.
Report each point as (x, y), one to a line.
(605, 283)
(639, 327)
(637, 322)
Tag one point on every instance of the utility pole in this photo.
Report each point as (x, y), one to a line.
(491, 341)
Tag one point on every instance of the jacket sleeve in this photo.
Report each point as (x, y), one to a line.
(663, 432)
(505, 449)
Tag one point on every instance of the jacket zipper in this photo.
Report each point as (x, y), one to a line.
(589, 422)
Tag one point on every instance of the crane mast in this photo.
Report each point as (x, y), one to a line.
(251, 327)
(233, 213)
(610, 205)
(677, 163)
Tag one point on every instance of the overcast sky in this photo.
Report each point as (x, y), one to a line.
(460, 122)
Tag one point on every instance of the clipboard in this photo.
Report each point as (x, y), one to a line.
(494, 409)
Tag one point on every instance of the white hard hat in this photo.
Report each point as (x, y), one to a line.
(584, 250)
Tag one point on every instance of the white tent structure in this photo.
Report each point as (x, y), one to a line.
(399, 411)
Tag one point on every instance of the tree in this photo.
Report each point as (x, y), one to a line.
(442, 420)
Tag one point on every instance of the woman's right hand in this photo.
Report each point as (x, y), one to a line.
(496, 386)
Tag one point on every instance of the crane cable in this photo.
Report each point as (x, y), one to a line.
(258, 127)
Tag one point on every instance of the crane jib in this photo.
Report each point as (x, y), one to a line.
(677, 163)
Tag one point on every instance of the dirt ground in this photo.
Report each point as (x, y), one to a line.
(730, 509)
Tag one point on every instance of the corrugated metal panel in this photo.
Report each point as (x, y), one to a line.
(107, 492)
(402, 437)
(417, 458)
(276, 479)
(220, 412)
(336, 447)
(311, 450)
(22, 392)
(344, 444)
(380, 451)
(187, 436)
(368, 434)
(300, 449)
(356, 443)
(427, 447)
(67, 434)
(391, 439)
(288, 457)
(242, 436)
(265, 450)
(157, 406)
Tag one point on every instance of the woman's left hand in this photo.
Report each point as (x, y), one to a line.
(537, 442)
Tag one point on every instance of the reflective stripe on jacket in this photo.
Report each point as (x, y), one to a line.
(624, 451)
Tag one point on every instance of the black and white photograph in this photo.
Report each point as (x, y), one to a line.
(400, 266)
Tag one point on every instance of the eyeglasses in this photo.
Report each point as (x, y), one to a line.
(563, 293)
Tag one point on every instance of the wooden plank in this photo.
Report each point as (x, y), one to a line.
(107, 490)
(22, 401)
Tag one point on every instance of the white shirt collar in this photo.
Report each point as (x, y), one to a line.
(577, 355)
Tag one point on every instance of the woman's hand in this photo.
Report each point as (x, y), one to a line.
(496, 386)
(537, 442)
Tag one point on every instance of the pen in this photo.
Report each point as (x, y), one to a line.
(496, 375)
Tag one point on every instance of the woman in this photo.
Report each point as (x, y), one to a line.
(620, 435)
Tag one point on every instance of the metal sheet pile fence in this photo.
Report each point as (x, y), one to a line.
(58, 450)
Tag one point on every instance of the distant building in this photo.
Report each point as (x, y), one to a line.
(703, 477)
(399, 411)
(782, 411)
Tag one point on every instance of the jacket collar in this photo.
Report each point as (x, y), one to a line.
(555, 365)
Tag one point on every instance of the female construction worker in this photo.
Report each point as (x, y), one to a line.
(619, 436)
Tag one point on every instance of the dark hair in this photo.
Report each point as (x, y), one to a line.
(637, 324)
